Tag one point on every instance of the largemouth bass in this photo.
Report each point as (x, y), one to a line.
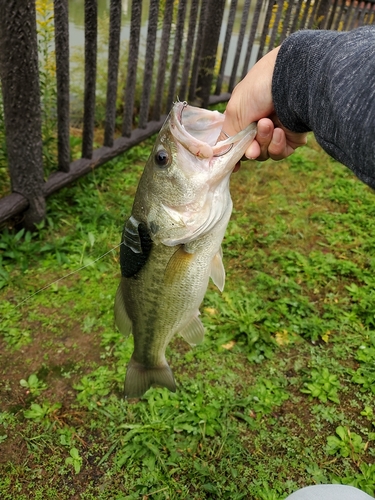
(172, 241)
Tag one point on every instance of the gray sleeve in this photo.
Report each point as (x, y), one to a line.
(324, 81)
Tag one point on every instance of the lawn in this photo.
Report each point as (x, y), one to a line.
(280, 394)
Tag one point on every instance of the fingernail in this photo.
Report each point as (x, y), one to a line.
(265, 132)
(277, 135)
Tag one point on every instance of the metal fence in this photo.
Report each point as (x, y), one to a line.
(191, 51)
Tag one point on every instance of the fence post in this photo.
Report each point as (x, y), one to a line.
(213, 21)
(20, 86)
(62, 78)
(91, 30)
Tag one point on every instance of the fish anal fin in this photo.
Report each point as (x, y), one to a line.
(217, 270)
(140, 378)
(177, 265)
(193, 332)
(122, 319)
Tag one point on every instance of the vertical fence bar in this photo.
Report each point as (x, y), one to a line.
(198, 49)
(279, 11)
(298, 13)
(372, 14)
(91, 30)
(62, 79)
(209, 49)
(265, 29)
(113, 62)
(359, 14)
(304, 16)
(224, 55)
(322, 12)
(340, 12)
(189, 49)
(332, 14)
(354, 16)
(131, 77)
(367, 13)
(176, 53)
(286, 21)
(253, 31)
(149, 63)
(362, 16)
(21, 95)
(348, 14)
(241, 35)
(312, 15)
(163, 58)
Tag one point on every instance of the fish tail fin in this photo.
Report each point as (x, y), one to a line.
(139, 378)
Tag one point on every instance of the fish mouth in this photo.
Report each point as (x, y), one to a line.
(184, 105)
(198, 130)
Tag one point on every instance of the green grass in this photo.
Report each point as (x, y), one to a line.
(281, 393)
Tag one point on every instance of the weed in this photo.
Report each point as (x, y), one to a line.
(11, 329)
(365, 375)
(41, 413)
(364, 479)
(346, 444)
(75, 460)
(33, 385)
(322, 385)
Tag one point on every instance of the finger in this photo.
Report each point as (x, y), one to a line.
(253, 151)
(295, 140)
(264, 137)
(278, 147)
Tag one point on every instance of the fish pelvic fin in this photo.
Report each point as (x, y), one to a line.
(122, 320)
(193, 332)
(139, 378)
(217, 270)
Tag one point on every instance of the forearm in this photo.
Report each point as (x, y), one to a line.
(324, 81)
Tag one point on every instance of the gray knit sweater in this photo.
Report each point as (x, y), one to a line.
(324, 81)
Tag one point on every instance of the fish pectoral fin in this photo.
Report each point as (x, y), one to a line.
(122, 319)
(193, 332)
(217, 270)
(177, 265)
(139, 378)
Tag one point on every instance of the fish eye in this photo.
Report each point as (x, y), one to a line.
(162, 158)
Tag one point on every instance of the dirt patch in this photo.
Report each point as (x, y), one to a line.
(59, 362)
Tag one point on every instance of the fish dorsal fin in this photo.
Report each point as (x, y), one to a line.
(217, 270)
(177, 265)
(122, 319)
(136, 247)
(193, 332)
(139, 378)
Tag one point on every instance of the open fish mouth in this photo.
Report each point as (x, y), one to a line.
(198, 130)
(184, 105)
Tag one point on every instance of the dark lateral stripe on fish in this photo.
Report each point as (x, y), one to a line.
(132, 262)
(139, 378)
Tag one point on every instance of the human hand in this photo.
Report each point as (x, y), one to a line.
(251, 101)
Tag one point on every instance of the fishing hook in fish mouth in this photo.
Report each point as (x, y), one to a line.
(184, 105)
(230, 146)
